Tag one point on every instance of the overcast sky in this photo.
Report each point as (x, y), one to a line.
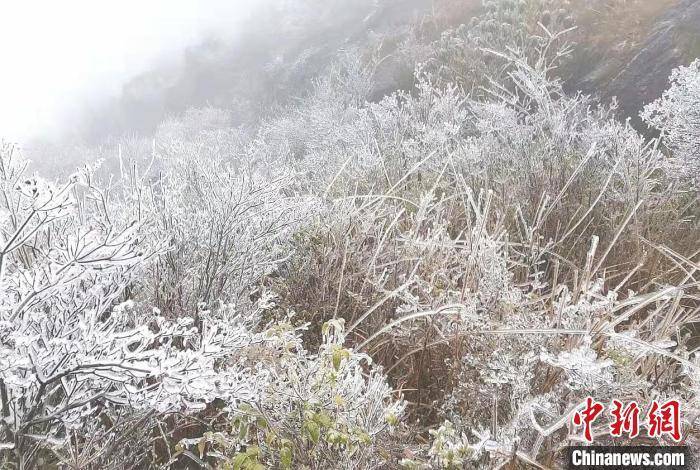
(58, 54)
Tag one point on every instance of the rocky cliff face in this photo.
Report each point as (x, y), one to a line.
(669, 39)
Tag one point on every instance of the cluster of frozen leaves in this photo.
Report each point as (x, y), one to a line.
(677, 115)
(76, 348)
(320, 410)
(69, 345)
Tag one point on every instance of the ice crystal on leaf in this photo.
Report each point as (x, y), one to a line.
(582, 366)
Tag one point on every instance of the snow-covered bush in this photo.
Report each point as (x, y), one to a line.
(534, 29)
(473, 259)
(74, 347)
(224, 223)
(86, 369)
(318, 410)
(677, 116)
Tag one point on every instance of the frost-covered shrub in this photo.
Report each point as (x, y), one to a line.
(532, 29)
(222, 225)
(474, 264)
(321, 410)
(677, 115)
(518, 370)
(74, 346)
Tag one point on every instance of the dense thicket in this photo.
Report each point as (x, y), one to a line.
(434, 279)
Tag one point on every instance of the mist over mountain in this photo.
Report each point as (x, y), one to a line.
(274, 55)
(271, 58)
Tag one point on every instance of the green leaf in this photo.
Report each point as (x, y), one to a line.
(253, 451)
(322, 419)
(239, 461)
(338, 355)
(286, 457)
(243, 432)
(314, 431)
(364, 438)
(261, 422)
(336, 359)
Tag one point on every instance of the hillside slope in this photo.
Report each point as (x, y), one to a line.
(632, 57)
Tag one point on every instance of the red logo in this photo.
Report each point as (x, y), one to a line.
(662, 419)
(626, 419)
(587, 416)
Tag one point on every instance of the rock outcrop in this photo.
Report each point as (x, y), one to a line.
(672, 40)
